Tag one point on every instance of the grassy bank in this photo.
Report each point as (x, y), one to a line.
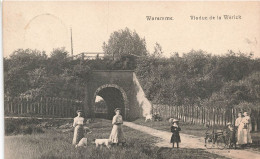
(53, 143)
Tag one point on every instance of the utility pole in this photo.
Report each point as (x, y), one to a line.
(71, 42)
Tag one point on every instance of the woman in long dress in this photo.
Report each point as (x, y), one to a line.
(246, 129)
(117, 134)
(239, 126)
(78, 128)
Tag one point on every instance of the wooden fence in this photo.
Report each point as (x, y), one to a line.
(43, 106)
(204, 115)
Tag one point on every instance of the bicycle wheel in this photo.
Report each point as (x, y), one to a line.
(221, 142)
(209, 142)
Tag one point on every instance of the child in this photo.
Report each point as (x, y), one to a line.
(175, 133)
(231, 135)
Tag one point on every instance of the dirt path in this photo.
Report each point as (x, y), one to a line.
(189, 141)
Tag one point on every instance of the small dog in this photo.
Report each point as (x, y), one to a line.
(101, 142)
(149, 117)
(82, 143)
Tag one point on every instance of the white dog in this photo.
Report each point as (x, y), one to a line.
(82, 143)
(149, 117)
(100, 142)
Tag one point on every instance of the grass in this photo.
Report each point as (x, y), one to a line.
(55, 144)
(185, 153)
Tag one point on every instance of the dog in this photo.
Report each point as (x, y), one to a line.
(82, 143)
(101, 142)
(149, 117)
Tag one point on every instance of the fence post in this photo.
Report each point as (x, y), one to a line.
(53, 106)
(41, 112)
(203, 115)
(8, 105)
(20, 110)
(47, 106)
(11, 104)
(170, 111)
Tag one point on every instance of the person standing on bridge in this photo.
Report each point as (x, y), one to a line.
(78, 128)
(117, 134)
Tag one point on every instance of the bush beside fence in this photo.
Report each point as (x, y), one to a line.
(42, 106)
(204, 115)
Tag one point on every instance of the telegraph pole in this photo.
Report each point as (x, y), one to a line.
(71, 42)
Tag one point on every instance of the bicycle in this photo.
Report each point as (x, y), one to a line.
(217, 137)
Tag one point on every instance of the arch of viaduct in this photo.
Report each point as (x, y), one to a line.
(119, 90)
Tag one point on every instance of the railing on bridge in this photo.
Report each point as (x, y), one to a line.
(96, 55)
(89, 55)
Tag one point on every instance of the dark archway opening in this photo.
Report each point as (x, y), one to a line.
(113, 99)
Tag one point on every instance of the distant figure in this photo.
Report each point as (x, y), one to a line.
(231, 135)
(78, 128)
(117, 134)
(175, 133)
(247, 127)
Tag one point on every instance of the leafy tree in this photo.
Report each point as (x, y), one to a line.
(124, 42)
(198, 78)
(17, 68)
(58, 61)
(157, 50)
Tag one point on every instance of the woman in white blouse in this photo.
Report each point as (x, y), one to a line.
(78, 128)
(117, 134)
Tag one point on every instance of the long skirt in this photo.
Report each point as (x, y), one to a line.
(175, 138)
(244, 137)
(78, 134)
(117, 134)
(240, 136)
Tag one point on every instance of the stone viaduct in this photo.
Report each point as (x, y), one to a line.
(119, 89)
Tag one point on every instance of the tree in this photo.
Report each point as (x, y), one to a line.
(17, 68)
(157, 50)
(125, 42)
(58, 61)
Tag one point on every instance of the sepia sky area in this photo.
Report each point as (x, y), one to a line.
(46, 25)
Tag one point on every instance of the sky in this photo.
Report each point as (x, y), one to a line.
(46, 25)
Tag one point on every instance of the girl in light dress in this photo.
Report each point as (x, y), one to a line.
(117, 134)
(78, 127)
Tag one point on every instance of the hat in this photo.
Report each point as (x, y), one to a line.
(245, 113)
(79, 111)
(175, 120)
(228, 123)
(117, 109)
